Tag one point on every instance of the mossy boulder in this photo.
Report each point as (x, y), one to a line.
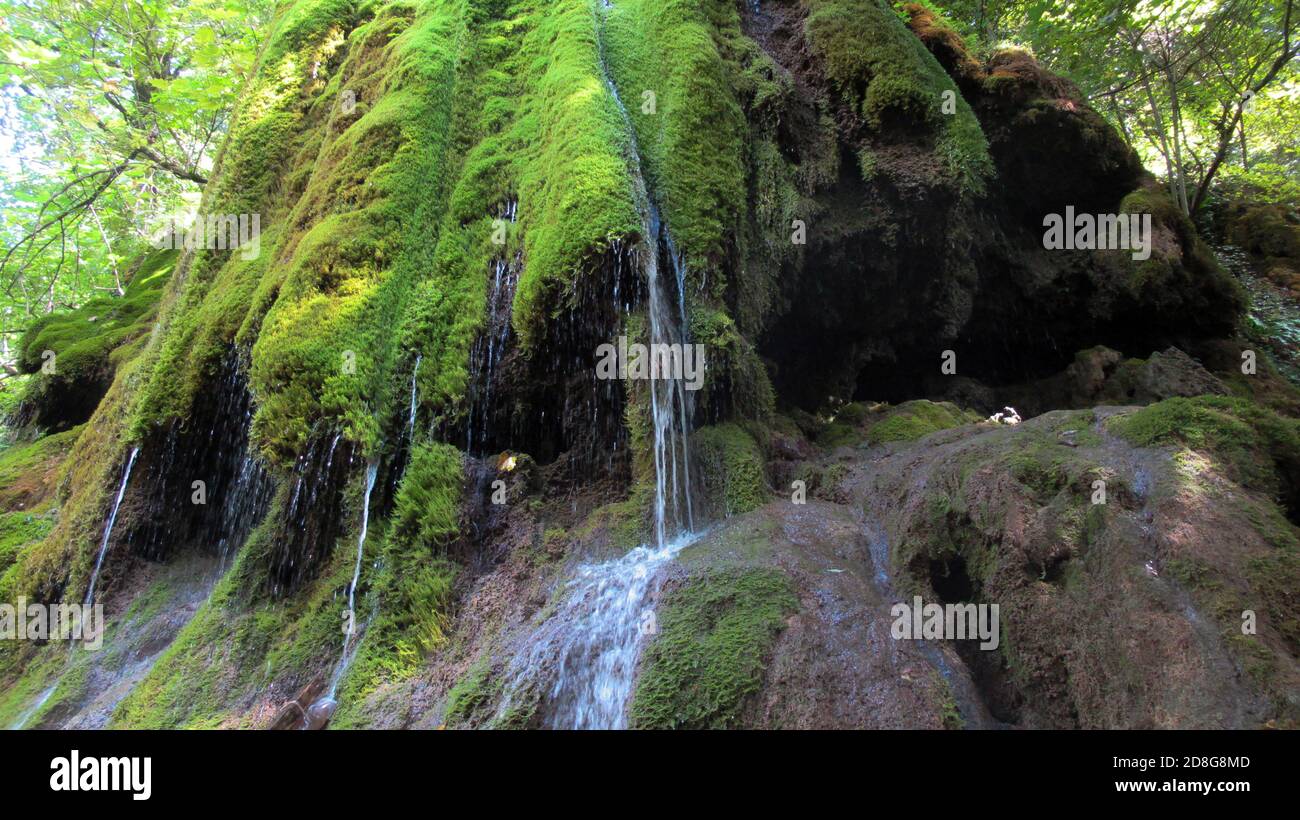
(880, 424)
(74, 354)
(1253, 445)
(915, 419)
(1080, 537)
(731, 470)
(894, 88)
(1270, 231)
(715, 631)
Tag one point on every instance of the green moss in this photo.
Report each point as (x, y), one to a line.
(411, 594)
(19, 695)
(572, 165)
(1257, 447)
(238, 642)
(949, 712)
(914, 419)
(1268, 520)
(730, 469)
(1275, 588)
(473, 692)
(1186, 279)
(1258, 659)
(622, 522)
(83, 339)
(283, 113)
(242, 639)
(737, 382)
(691, 138)
(17, 531)
(715, 634)
(28, 474)
(889, 77)
(472, 701)
(326, 345)
(25, 466)
(854, 413)
(426, 508)
(878, 424)
(411, 599)
(838, 434)
(350, 200)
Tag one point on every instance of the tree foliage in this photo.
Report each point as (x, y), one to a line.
(1205, 90)
(111, 112)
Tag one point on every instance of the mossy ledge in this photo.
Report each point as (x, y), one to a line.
(715, 631)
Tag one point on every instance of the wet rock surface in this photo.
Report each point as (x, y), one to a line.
(1122, 614)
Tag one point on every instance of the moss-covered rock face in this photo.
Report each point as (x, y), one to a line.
(883, 115)
(1270, 235)
(1268, 231)
(915, 419)
(715, 632)
(730, 469)
(1251, 445)
(894, 91)
(453, 197)
(76, 353)
(1079, 537)
(856, 423)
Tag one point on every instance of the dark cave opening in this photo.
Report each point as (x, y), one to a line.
(951, 581)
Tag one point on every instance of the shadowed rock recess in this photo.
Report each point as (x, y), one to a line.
(424, 508)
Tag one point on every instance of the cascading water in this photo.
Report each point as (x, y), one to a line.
(311, 524)
(491, 344)
(594, 639)
(210, 444)
(670, 407)
(108, 527)
(243, 507)
(349, 635)
(410, 422)
(192, 545)
(323, 709)
(33, 709)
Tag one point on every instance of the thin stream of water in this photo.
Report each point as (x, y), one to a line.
(350, 639)
(108, 527)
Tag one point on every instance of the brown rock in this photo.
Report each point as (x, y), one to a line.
(293, 715)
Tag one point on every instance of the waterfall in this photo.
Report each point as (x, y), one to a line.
(594, 638)
(668, 401)
(372, 470)
(320, 712)
(243, 505)
(670, 407)
(108, 527)
(410, 423)
(491, 344)
(33, 709)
